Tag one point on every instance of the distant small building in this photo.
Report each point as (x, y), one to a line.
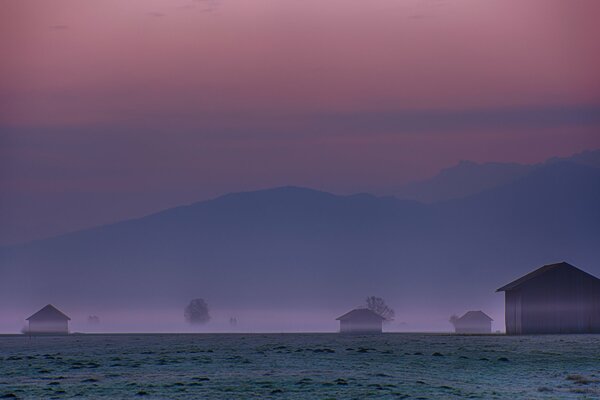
(49, 320)
(361, 320)
(473, 322)
(556, 298)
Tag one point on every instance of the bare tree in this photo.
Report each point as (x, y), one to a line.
(197, 312)
(377, 304)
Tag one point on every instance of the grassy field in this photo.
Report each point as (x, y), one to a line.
(314, 366)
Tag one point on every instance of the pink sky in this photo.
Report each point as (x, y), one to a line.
(115, 108)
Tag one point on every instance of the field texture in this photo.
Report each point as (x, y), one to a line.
(289, 366)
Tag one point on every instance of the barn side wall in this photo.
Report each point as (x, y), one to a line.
(352, 326)
(45, 326)
(562, 301)
(513, 312)
(473, 327)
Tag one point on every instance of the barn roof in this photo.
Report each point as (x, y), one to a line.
(48, 312)
(540, 271)
(475, 316)
(359, 313)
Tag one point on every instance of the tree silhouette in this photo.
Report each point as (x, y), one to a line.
(377, 305)
(197, 312)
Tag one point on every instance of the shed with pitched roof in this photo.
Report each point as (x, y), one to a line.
(361, 320)
(49, 320)
(473, 322)
(556, 298)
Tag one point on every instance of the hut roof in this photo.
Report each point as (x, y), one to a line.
(360, 313)
(540, 271)
(475, 316)
(48, 312)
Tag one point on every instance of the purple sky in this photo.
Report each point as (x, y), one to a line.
(117, 109)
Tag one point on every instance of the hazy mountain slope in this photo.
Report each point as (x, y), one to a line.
(299, 248)
(289, 240)
(551, 214)
(468, 178)
(462, 180)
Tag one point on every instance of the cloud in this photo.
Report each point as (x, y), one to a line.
(211, 5)
(460, 120)
(156, 14)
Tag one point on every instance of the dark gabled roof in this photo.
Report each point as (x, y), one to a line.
(475, 316)
(49, 312)
(360, 313)
(546, 268)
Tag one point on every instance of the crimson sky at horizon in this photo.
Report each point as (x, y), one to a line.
(113, 109)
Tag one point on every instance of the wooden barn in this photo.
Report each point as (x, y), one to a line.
(556, 298)
(361, 320)
(473, 322)
(49, 320)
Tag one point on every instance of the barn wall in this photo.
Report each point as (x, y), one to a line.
(473, 327)
(560, 301)
(48, 326)
(513, 312)
(349, 326)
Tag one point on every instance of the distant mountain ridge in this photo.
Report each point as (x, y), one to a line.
(293, 248)
(590, 158)
(467, 177)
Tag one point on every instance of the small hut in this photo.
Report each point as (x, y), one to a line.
(556, 298)
(49, 320)
(473, 322)
(361, 320)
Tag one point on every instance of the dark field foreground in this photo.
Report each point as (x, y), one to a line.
(314, 366)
